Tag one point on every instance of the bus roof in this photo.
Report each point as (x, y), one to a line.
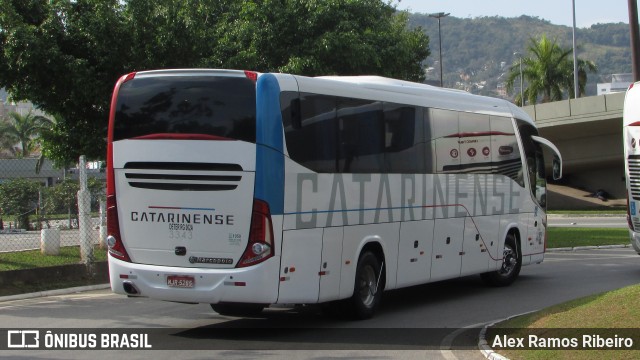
(378, 87)
(412, 93)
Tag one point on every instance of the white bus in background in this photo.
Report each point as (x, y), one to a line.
(631, 137)
(242, 190)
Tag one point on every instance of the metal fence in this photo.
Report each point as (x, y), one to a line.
(32, 201)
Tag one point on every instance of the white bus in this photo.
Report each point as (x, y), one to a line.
(242, 190)
(631, 137)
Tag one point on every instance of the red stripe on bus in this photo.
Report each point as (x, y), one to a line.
(169, 136)
(479, 134)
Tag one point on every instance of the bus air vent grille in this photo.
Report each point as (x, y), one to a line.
(183, 176)
(634, 176)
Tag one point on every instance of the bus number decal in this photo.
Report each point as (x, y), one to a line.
(235, 239)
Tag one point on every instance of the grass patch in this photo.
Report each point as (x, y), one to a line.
(30, 259)
(591, 212)
(611, 310)
(570, 237)
(62, 216)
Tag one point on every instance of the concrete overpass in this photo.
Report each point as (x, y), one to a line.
(588, 132)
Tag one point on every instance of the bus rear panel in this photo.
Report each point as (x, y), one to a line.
(183, 221)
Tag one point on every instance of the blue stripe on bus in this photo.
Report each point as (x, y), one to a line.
(269, 184)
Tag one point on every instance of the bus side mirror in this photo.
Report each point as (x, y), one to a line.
(557, 158)
(557, 168)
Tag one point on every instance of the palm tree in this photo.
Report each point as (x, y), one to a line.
(24, 129)
(7, 141)
(584, 66)
(548, 71)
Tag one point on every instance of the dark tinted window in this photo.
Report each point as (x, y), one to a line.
(404, 145)
(208, 105)
(312, 140)
(336, 134)
(361, 136)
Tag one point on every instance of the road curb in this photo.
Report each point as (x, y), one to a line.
(560, 216)
(55, 292)
(483, 345)
(578, 248)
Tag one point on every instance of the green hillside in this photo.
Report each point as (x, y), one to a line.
(476, 50)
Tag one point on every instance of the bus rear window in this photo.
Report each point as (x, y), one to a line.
(207, 105)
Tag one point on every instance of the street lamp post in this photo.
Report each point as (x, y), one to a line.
(575, 55)
(635, 39)
(439, 16)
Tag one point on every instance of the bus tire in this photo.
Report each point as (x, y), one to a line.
(367, 291)
(238, 309)
(511, 264)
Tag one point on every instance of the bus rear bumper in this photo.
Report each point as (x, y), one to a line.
(635, 240)
(256, 284)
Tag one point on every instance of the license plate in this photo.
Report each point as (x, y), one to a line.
(181, 281)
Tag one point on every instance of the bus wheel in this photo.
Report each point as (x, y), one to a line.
(238, 309)
(368, 287)
(511, 264)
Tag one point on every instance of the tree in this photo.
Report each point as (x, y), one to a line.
(548, 72)
(314, 37)
(584, 66)
(62, 56)
(8, 142)
(19, 198)
(66, 55)
(25, 130)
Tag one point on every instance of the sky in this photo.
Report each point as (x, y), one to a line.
(559, 12)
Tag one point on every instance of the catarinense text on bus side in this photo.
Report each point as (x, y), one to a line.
(418, 197)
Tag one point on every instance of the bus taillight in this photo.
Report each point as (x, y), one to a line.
(260, 245)
(114, 241)
(251, 75)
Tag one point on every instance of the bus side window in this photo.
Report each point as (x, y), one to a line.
(361, 136)
(313, 142)
(290, 110)
(474, 139)
(404, 143)
(443, 126)
(429, 149)
(505, 153)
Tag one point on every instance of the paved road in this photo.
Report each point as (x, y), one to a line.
(296, 333)
(582, 221)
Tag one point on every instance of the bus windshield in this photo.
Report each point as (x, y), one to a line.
(221, 107)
